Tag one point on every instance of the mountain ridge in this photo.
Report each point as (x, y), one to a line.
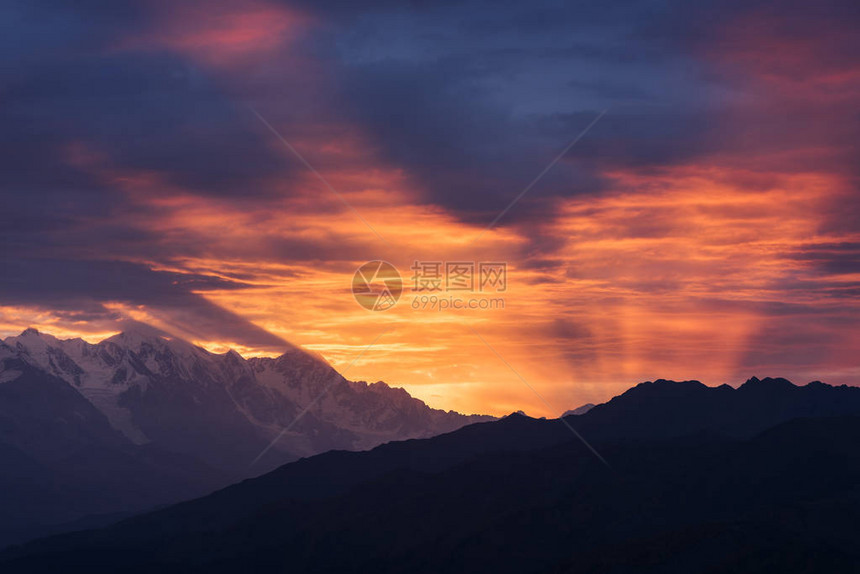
(117, 373)
(439, 504)
(150, 407)
(664, 408)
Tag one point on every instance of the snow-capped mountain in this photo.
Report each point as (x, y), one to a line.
(144, 419)
(221, 408)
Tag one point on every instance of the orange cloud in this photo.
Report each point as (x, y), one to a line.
(689, 271)
(671, 273)
(222, 35)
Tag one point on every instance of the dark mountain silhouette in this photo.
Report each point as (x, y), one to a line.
(62, 460)
(580, 410)
(664, 409)
(691, 487)
(143, 419)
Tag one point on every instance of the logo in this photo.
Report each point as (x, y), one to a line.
(377, 285)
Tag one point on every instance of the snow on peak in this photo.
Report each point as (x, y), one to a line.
(127, 373)
(137, 334)
(35, 346)
(32, 336)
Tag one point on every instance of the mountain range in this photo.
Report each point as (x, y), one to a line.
(142, 419)
(760, 478)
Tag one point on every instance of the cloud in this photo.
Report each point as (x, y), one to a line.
(87, 290)
(706, 220)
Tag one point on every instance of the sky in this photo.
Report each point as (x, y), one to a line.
(672, 187)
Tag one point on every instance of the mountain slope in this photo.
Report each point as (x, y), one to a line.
(786, 499)
(580, 410)
(160, 390)
(62, 460)
(143, 419)
(426, 484)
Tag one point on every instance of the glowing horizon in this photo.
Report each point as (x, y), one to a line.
(705, 228)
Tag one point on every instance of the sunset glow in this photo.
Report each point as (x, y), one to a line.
(714, 241)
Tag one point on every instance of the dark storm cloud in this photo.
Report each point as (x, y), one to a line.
(151, 113)
(832, 258)
(472, 99)
(78, 290)
(475, 98)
